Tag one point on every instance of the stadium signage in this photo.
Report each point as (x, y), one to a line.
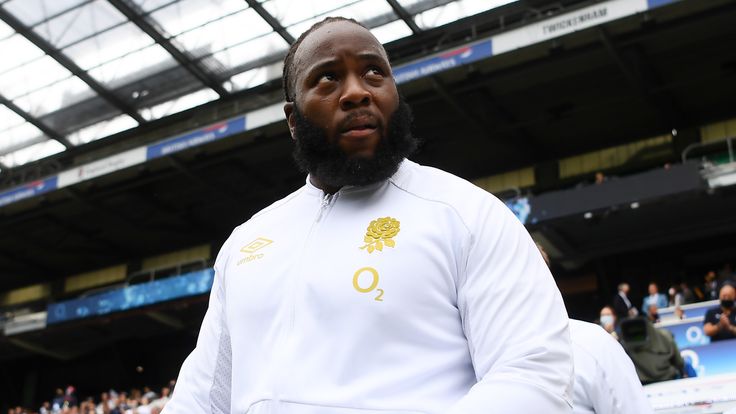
(196, 138)
(131, 297)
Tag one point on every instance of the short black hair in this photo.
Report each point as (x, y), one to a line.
(289, 59)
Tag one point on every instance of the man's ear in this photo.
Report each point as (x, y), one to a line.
(290, 119)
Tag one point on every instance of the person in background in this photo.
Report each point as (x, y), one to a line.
(675, 297)
(653, 351)
(607, 321)
(653, 314)
(605, 378)
(679, 313)
(720, 322)
(710, 287)
(654, 298)
(622, 305)
(687, 294)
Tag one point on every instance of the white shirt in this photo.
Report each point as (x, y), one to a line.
(605, 378)
(311, 314)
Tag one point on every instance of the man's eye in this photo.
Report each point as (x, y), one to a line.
(327, 77)
(374, 72)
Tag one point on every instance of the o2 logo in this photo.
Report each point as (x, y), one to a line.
(361, 284)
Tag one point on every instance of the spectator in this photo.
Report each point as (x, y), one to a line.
(710, 287)
(675, 297)
(45, 408)
(622, 305)
(608, 321)
(653, 314)
(605, 379)
(600, 178)
(654, 298)
(687, 294)
(679, 313)
(159, 403)
(720, 322)
(653, 351)
(58, 402)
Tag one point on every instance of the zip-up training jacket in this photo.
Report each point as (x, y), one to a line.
(420, 294)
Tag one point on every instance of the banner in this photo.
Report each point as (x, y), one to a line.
(136, 296)
(196, 138)
(28, 190)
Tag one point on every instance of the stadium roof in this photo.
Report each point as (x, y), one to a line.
(82, 70)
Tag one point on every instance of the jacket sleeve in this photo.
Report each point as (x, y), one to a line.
(617, 389)
(514, 320)
(203, 385)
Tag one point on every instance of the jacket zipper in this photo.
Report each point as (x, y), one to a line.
(326, 202)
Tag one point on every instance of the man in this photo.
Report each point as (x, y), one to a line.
(605, 378)
(653, 351)
(653, 314)
(720, 322)
(381, 285)
(622, 305)
(655, 298)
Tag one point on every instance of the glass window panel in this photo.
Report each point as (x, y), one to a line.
(5, 30)
(179, 104)
(31, 76)
(32, 153)
(102, 129)
(54, 97)
(21, 49)
(224, 33)
(358, 10)
(31, 12)
(455, 11)
(108, 45)
(80, 23)
(257, 76)
(17, 136)
(189, 14)
(251, 50)
(148, 5)
(133, 66)
(391, 31)
(289, 12)
(9, 118)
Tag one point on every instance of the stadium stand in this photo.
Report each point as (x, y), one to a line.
(607, 126)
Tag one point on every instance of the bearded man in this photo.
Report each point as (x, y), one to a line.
(380, 286)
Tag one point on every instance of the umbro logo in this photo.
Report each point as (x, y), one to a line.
(251, 248)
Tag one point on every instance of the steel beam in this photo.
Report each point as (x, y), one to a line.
(148, 25)
(404, 15)
(34, 121)
(275, 24)
(69, 64)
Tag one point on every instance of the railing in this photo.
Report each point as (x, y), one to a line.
(149, 275)
(729, 145)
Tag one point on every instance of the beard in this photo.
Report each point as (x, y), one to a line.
(326, 161)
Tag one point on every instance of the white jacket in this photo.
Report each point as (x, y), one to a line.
(605, 378)
(419, 294)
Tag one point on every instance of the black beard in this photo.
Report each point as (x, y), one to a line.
(333, 168)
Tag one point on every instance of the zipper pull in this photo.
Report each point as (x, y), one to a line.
(323, 206)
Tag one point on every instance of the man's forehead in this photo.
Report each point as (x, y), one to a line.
(335, 37)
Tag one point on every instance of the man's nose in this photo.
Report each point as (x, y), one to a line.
(355, 93)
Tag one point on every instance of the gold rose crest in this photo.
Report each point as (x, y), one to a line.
(381, 232)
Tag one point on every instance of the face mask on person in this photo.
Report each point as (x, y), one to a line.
(606, 320)
(727, 303)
